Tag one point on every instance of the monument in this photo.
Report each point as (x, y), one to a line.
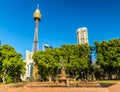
(62, 79)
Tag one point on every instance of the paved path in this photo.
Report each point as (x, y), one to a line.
(58, 90)
(113, 88)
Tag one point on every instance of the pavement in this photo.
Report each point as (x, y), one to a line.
(113, 88)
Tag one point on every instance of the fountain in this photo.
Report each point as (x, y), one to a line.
(62, 79)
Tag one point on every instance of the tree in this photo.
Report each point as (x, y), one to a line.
(47, 63)
(76, 59)
(108, 56)
(11, 64)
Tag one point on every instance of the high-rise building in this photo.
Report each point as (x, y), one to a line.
(46, 46)
(29, 63)
(82, 35)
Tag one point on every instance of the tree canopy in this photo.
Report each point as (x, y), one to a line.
(108, 56)
(75, 57)
(11, 64)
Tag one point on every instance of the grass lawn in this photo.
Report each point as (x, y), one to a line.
(108, 81)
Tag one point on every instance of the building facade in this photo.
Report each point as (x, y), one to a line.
(46, 46)
(29, 65)
(82, 35)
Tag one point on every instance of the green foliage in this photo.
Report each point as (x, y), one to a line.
(108, 56)
(47, 62)
(9, 79)
(11, 64)
(75, 57)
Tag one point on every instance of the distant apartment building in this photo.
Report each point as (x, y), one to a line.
(46, 46)
(29, 65)
(82, 35)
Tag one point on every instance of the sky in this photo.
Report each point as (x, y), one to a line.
(59, 23)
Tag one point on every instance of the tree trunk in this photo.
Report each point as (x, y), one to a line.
(50, 78)
(4, 80)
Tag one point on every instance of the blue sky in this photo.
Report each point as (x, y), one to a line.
(60, 20)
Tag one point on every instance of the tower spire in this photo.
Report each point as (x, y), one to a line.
(38, 6)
